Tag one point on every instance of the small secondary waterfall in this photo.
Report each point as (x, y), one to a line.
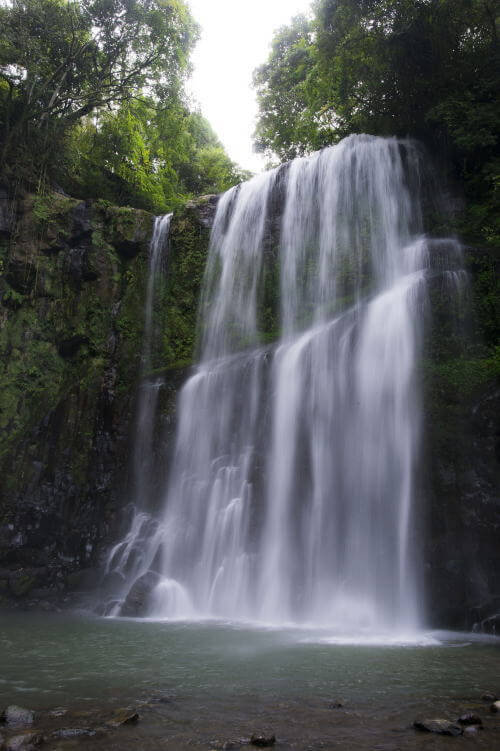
(148, 389)
(292, 488)
(126, 557)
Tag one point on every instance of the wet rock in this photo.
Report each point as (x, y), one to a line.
(469, 718)
(22, 581)
(262, 740)
(204, 208)
(123, 717)
(72, 732)
(489, 696)
(491, 625)
(163, 700)
(335, 704)
(84, 579)
(438, 725)
(24, 742)
(472, 730)
(15, 716)
(495, 707)
(58, 712)
(137, 601)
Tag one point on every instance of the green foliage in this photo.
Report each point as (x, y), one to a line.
(149, 157)
(91, 97)
(61, 61)
(424, 68)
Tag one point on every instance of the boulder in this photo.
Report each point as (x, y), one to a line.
(137, 601)
(491, 625)
(24, 742)
(15, 716)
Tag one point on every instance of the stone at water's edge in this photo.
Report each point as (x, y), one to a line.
(24, 742)
(469, 718)
(137, 603)
(262, 740)
(471, 730)
(72, 732)
(14, 716)
(122, 717)
(495, 707)
(438, 725)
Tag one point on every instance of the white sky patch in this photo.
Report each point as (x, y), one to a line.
(235, 38)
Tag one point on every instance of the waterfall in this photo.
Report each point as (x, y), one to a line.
(292, 492)
(125, 557)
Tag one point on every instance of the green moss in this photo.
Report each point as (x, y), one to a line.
(185, 270)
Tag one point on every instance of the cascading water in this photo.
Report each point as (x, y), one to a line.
(125, 557)
(291, 493)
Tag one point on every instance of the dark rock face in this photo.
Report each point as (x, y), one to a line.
(463, 574)
(73, 277)
(489, 625)
(460, 471)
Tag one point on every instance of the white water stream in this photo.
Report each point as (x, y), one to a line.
(291, 497)
(126, 558)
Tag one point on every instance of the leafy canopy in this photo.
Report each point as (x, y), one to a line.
(424, 68)
(91, 94)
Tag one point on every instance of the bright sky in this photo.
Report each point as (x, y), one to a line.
(235, 39)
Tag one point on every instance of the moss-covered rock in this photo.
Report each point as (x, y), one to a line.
(72, 288)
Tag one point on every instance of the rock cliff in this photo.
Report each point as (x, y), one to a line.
(72, 287)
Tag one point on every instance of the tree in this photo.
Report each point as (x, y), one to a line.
(61, 61)
(424, 68)
(147, 156)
